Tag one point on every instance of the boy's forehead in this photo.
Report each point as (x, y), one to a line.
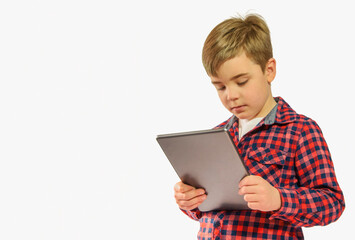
(234, 67)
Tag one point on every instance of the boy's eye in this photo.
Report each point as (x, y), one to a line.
(220, 88)
(242, 82)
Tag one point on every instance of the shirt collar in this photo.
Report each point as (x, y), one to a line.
(271, 117)
(282, 113)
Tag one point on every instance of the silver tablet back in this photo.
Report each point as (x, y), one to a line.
(207, 159)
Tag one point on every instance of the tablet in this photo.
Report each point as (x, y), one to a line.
(208, 159)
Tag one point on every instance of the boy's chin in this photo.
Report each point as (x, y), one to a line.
(242, 116)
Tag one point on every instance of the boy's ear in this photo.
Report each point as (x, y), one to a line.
(270, 69)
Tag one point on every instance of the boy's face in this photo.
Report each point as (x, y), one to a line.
(243, 87)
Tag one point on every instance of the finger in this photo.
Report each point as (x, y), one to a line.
(191, 204)
(251, 198)
(192, 207)
(195, 206)
(189, 195)
(182, 187)
(250, 180)
(248, 190)
(254, 205)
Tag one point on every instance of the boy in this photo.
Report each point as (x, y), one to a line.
(292, 182)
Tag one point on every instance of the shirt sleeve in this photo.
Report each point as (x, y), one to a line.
(194, 214)
(318, 200)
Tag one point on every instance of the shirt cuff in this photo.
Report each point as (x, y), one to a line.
(194, 214)
(289, 205)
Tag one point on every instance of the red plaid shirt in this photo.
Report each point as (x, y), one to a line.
(289, 151)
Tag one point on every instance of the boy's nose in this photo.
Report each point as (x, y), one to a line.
(232, 94)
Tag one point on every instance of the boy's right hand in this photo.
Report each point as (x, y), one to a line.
(188, 197)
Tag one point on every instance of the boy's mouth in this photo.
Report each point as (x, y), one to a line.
(238, 109)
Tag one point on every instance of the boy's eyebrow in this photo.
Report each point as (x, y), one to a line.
(232, 78)
(215, 82)
(239, 75)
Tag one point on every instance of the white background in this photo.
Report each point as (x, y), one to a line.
(85, 87)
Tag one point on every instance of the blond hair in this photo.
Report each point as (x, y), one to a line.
(233, 36)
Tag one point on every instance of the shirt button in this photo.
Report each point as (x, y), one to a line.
(216, 224)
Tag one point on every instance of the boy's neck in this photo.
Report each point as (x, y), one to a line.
(269, 105)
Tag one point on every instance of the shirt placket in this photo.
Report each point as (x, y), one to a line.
(217, 225)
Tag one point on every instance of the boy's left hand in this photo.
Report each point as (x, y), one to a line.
(259, 194)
